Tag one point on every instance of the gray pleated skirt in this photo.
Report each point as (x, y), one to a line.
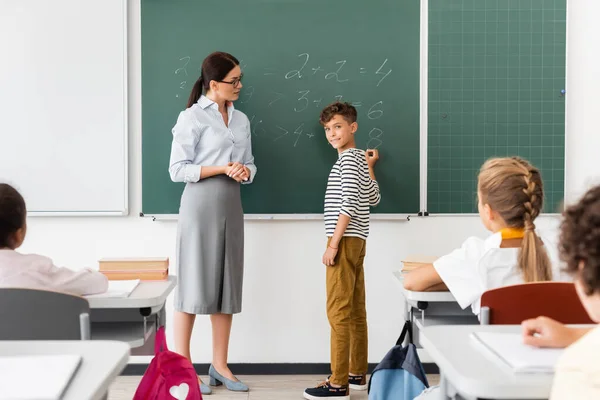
(210, 248)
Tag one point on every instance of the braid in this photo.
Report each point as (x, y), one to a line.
(514, 188)
(530, 212)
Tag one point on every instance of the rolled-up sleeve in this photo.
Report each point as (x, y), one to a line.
(349, 170)
(186, 134)
(248, 158)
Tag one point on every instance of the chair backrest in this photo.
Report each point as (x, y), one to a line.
(29, 314)
(514, 304)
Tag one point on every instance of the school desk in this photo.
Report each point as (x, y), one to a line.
(101, 363)
(468, 369)
(132, 319)
(429, 309)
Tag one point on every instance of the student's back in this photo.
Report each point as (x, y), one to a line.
(510, 197)
(481, 265)
(31, 270)
(34, 271)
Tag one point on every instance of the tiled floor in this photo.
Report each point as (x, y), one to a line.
(262, 387)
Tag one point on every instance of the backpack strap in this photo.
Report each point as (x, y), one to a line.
(160, 341)
(407, 328)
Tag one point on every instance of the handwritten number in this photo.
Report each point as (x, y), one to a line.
(298, 72)
(379, 72)
(375, 114)
(335, 74)
(255, 126)
(303, 97)
(184, 68)
(298, 133)
(375, 141)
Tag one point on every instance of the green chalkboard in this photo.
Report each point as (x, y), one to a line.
(496, 72)
(297, 56)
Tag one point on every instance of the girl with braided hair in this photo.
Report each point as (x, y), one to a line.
(510, 197)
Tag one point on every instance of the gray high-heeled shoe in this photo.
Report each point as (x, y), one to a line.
(204, 388)
(216, 379)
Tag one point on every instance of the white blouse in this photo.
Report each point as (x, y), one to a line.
(480, 265)
(201, 138)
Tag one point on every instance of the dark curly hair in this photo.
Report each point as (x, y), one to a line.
(346, 110)
(12, 214)
(580, 240)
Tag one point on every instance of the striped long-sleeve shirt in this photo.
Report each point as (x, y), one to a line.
(350, 191)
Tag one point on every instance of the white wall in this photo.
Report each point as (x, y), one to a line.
(583, 100)
(284, 301)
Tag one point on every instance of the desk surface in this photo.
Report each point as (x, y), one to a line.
(101, 362)
(472, 371)
(146, 294)
(413, 297)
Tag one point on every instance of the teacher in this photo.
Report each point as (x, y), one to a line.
(212, 154)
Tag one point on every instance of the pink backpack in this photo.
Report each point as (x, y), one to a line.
(169, 376)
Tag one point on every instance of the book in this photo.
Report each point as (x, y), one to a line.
(43, 377)
(411, 263)
(509, 349)
(120, 289)
(138, 263)
(141, 275)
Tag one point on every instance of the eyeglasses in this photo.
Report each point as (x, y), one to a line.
(235, 82)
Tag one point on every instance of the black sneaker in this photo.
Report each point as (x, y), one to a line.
(325, 390)
(358, 382)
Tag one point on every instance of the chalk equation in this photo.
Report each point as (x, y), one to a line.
(330, 72)
(260, 97)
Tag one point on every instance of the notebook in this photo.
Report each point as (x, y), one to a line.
(509, 349)
(117, 289)
(36, 377)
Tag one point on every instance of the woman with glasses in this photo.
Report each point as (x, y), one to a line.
(212, 154)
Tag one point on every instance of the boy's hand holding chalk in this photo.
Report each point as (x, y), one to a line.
(372, 155)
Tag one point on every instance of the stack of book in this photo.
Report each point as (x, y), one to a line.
(145, 269)
(411, 263)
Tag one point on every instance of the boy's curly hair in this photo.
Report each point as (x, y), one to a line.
(346, 110)
(580, 240)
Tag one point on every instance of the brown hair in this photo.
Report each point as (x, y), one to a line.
(346, 110)
(215, 67)
(580, 240)
(513, 188)
(12, 214)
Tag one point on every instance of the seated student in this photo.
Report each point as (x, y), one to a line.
(31, 270)
(577, 373)
(510, 197)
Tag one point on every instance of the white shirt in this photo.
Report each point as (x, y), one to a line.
(201, 138)
(577, 372)
(32, 271)
(480, 265)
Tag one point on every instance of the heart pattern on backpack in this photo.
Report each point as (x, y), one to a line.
(180, 392)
